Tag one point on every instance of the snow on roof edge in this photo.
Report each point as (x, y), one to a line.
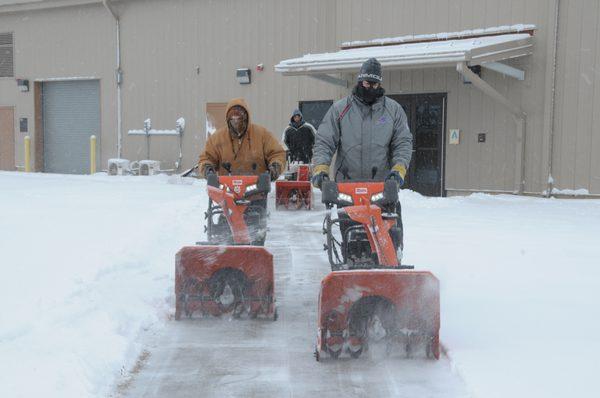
(443, 51)
(440, 36)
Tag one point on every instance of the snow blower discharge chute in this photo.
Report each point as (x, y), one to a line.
(231, 273)
(369, 297)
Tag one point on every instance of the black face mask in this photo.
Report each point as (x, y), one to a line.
(368, 95)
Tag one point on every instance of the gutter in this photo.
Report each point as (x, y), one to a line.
(552, 108)
(41, 5)
(118, 77)
(520, 118)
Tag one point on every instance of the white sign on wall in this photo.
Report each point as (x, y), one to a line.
(454, 136)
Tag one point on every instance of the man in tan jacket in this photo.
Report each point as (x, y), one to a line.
(249, 148)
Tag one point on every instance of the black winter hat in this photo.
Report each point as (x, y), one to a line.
(370, 71)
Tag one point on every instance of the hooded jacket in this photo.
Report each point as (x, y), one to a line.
(256, 147)
(299, 139)
(365, 137)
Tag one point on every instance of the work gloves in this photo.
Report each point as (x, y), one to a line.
(274, 170)
(317, 179)
(208, 169)
(397, 174)
(320, 173)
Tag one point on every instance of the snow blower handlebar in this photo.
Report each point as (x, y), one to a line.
(382, 194)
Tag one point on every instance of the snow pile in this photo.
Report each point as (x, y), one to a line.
(571, 192)
(153, 132)
(520, 285)
(495, 30)
(210, 127)
(180, 123)
(87, 262)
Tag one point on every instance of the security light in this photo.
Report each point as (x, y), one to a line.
(243, 76)
(23, 85)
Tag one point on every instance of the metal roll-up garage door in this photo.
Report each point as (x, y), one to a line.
(71, 114)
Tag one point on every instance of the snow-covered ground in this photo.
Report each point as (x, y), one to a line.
(86, 265)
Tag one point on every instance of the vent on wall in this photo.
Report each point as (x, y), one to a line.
(6, 55)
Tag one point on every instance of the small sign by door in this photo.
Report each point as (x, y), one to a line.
(454, 136)
(23, 125)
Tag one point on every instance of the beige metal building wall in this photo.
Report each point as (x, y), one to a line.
(576, 149)
(180, 54)
(63, 43)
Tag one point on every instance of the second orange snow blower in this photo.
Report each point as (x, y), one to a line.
(369, 297)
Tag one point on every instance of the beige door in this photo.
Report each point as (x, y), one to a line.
(7, 138)
(215, 116)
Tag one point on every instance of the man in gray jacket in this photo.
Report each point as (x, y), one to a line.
(369, 132)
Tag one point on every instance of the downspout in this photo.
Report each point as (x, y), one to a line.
(119, 78)
(550, 186)
(520, 118)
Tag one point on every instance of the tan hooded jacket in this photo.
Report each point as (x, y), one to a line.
(257, 146)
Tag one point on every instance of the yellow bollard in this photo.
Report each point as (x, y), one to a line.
(27, 154)
(93, 154)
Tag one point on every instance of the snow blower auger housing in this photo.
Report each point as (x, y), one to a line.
(369, 297)
(237, 213)
(224, 279)
(295, 192)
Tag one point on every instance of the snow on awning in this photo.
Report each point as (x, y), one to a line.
(440, 53)
(463, 34)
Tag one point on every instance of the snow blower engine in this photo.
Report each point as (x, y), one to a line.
(369, 298)
(295, 192)
(230, 273)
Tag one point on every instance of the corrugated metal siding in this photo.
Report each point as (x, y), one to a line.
(62, 43)
(217, 37)
(576, 153)
(165, 42)
(71, 114)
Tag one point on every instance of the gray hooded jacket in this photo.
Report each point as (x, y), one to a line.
(364, 137)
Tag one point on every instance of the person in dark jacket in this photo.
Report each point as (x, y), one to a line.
(369, 134)
(299, 138)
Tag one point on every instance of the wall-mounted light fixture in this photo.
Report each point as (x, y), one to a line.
(23, 85)
(243, 75)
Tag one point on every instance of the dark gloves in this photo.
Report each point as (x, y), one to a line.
(274, 170)
(397, 174)
(208, 169)
(320, 173)
(317, 179)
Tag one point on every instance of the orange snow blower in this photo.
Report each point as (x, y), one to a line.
(369, 297)
(230, 273)
(295, 192)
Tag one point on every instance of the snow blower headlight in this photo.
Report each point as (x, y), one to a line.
(377, 197)
(251, 188)
(343, 197)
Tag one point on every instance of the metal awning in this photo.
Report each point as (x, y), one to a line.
(443, 53)
(460, 53)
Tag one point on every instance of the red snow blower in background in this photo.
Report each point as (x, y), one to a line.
(295, 192)
(369, 297)
(230, 272)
